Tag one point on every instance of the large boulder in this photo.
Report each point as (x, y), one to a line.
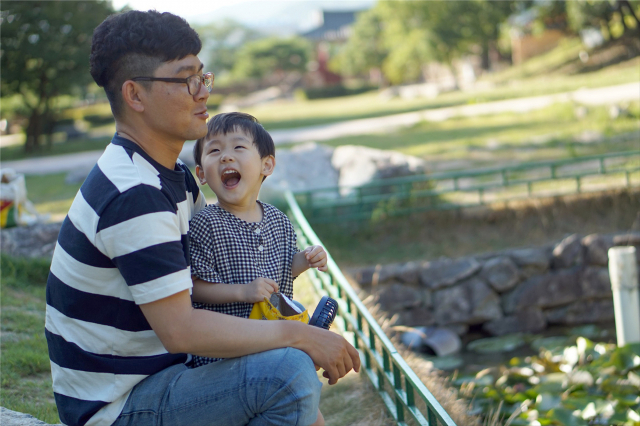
(303, 167)
(452, 305)
(446, 272)
(358, 165)
(545, 291)
(416, 317)
(501, 273)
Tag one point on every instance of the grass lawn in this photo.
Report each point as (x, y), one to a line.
(26, 374)
(550, 133)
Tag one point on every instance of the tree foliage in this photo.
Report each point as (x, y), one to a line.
(222, 41)
(45, 54)
(260, 58)
(403, 36)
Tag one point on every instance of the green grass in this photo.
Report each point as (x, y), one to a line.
(549, 133)
(26, 377)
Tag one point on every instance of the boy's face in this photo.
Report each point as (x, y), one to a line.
(232, 167)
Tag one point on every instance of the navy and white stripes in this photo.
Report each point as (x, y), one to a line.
(123, 243)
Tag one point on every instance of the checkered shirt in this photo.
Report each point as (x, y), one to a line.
(226, 249)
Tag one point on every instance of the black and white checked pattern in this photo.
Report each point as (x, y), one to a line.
(226, 249)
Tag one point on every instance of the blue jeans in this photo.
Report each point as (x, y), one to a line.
(278, 387)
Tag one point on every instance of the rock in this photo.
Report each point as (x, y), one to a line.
(358, 165)
(365, 275)
(387, 273)
(544, 291)
(501, 273)
(452, 305)
(304, 167)
(459, 329)
(416, 317)
(446, 272)
(396, 297)
(628, 239)
(596, 249)
(485, 303)
(532, 261)
(595, 283)
(569, 252)
(409, 273)
(432, 340)
(30, 241)
(14, 418)
(528, 320)
(583, 312)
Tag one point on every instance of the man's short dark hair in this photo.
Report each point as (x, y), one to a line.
(234, 122)
(135, 44)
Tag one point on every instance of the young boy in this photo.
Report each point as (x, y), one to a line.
(241, 240)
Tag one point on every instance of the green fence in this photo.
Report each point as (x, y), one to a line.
(403, 393)
(455, 190)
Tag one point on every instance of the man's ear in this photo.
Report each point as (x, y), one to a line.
(131, 92)
(268, 164)
(200, 174)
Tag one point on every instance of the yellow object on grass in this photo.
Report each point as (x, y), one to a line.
(279, 307)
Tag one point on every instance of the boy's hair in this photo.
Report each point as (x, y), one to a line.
(135, 44)
(233, 122)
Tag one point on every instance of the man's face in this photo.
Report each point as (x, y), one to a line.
(232, 167)
(169, 108)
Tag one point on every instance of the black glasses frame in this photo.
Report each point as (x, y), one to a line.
(201, 81)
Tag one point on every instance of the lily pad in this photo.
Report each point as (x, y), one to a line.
(445, 362)
(506, 343)
(591, 331)
(561, 416)
(547, 401)
(551, 343)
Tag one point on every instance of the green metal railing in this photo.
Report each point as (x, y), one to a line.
(455, 190)
(400, 388)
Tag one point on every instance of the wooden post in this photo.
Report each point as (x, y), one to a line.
(623, 273)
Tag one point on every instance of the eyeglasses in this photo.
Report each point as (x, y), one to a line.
(193, 82)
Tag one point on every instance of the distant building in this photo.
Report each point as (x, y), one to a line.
(333, 28)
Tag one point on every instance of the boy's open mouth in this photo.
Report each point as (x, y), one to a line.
(230, 178)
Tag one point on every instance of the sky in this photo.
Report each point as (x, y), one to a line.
(281, 16)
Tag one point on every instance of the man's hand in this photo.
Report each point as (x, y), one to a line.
(331, 352)
(316, 257)
(258, 289)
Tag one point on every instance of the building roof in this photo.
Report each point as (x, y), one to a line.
(335, 26)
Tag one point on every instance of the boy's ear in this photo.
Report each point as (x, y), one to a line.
(268, 164)
(131, 95)
(200, 174)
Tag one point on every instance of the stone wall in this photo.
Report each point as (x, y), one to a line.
(520, 290)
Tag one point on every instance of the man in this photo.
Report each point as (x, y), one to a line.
(119, 316)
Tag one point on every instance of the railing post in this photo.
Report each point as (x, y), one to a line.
(623, 273)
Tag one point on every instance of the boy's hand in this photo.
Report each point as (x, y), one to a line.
(258, 289)
(317, 257)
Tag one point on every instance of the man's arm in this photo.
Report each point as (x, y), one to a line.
(218, 293)
(201, 332)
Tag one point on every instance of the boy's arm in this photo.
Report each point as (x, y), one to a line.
(311, 257)
(217, 293)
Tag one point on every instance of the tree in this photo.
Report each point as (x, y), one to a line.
(222, 41)
(45, 54)
(260, 58)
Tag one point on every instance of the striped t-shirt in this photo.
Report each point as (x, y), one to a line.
(123, 243)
